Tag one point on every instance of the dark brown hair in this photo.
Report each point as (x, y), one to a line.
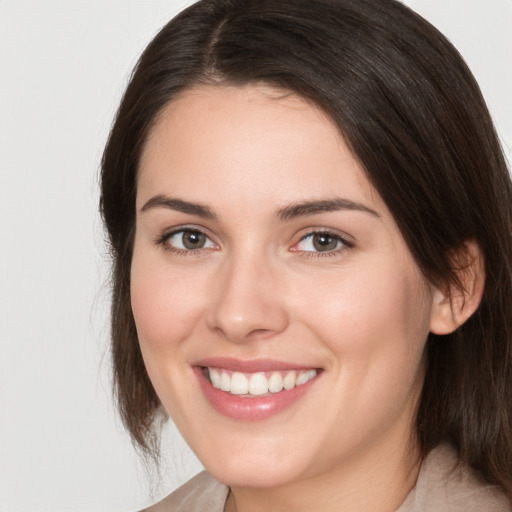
(414, 116)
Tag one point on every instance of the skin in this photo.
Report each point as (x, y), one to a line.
(258, 289)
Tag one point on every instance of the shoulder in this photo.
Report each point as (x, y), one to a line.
(200, 494)
(446, 485)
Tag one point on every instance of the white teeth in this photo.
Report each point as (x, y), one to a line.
(257, 384)
(239, 384)
(275, 383)
(305, 376)
(290, 380)
(215, 378)
(225, 382)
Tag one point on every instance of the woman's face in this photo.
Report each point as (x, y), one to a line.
(263, 258)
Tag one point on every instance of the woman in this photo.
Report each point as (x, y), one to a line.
(310, 217)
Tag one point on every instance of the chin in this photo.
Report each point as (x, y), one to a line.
(246, 474)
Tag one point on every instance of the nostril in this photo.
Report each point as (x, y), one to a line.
(246, 309)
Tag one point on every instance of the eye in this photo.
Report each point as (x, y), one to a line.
(188, 240)
(321, 241)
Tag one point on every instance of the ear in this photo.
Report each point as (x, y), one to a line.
(453, 305)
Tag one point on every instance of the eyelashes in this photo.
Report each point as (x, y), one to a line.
(190, 239)
(322, 243)
(317, 242)
(186, 241)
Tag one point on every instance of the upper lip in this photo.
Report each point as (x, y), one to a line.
(250, 366)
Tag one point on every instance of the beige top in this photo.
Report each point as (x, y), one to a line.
(442, 486)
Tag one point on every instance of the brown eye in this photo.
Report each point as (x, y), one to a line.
(193, 240)
(189, 240)
(325, 242)
(322, 242)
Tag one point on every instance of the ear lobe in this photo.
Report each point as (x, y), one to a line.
(454, 304)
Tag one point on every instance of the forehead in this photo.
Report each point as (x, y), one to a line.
(253, 142)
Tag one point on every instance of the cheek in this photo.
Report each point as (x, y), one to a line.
(375, 329)
(166, 305)
(376, 320)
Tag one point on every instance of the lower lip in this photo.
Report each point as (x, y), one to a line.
(250, 408)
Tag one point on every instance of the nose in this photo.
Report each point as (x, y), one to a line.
(249, 301)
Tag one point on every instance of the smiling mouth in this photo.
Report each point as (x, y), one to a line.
(249, 385)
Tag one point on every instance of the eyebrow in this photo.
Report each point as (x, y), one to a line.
(315, 207)
(289, 212)
(171, 203)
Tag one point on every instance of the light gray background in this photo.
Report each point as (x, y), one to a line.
(63, 67)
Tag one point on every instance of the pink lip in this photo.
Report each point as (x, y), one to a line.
(249, 409)
(253, 366)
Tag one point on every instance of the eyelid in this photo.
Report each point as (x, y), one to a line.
(169, 233)
(346, 240)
